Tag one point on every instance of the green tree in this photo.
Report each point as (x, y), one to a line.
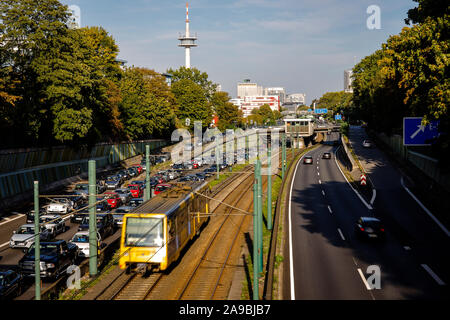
(195, 75)
(428, 9)
(191, 102)
(229, 115)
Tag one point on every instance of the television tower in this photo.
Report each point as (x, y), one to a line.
(187, 41)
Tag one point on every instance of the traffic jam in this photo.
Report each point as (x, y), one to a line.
(64, 230)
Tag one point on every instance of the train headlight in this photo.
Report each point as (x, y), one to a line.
(159, 254)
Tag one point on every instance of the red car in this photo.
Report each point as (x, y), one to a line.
(113, 199)
(138, 168)
(162, 187)
(136, 190)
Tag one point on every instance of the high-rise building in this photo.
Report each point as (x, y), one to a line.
(281, 92)
(247, 88)
(248, 103)
(348, 81)
(298, 98)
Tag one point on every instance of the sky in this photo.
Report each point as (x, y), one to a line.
(301, 45)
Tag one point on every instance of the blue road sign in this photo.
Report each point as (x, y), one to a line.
(415, 134)
(338, 117)
(321, 111)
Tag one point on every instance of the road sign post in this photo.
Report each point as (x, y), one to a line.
(92, 219)
(363, 180)
(37, 244)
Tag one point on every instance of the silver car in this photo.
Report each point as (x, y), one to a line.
(53, 223)
(24, 236)
(124, 194)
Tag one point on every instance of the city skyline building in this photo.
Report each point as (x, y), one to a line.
(348, 80)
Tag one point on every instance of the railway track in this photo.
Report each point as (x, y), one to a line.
(172, 285)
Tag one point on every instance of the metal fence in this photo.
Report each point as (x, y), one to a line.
(55, 164)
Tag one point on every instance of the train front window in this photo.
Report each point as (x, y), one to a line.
(144, 232)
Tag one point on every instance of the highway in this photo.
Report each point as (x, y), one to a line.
(325, 260)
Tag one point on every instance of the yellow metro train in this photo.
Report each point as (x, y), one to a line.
(154, 234)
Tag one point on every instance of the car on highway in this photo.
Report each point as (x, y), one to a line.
(326, 155)
(118, 215)
(82, 189)
(369, 228)
(113, 199)
(10, 284)
(24, 236)
(60, 206)
(367, 144)
(124, 194)
(136, 190)
(56, 256)
(308, 160)
(136, 202)
(54, 223)
(162, 187)
(81, 240)
(30, 214)
(113, 183)
(105, 224)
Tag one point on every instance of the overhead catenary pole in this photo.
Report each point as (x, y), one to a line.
(269, 188)
(148, 191)
(283, 156)
(37, 244)
(255, 237)
(92, 219)
(260, 219)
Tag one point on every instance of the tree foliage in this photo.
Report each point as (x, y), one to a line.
(409, 75)
(229, 115)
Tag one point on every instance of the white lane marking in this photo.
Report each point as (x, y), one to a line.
(12, 219)
(323, 193)
(363, 278)
(291, 254)
(317, 168)
(425, 209)
(407, 248)
(329, 209)
(374, 195)
(357, 193)
(433, 275)
(2, 245)
(320, 181)
(318, 173)
(341, 234)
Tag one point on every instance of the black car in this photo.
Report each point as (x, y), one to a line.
(112, 184)
(369, 228)
(326, 155)
(136, 202)
(10, 284)
(308, 160)
(105, 224)
(56, 256)
(30, 214)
